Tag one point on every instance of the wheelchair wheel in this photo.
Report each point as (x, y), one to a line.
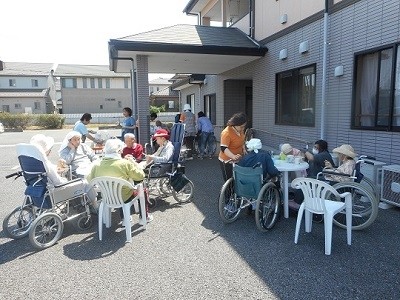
(365, 205)
(229, 204)
(268, 207)
(164, 187)
(16, 225)
(368, 183)
(46, 230)
(185, 194)
(83, 222)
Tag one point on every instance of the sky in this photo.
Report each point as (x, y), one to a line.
(78, 31)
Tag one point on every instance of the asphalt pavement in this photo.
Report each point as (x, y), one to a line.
(188, 253)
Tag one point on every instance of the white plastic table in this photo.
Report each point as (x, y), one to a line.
(285, 168)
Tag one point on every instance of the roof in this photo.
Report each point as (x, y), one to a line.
(38, 94)
(186, 49)
(160, 81)
(166, 92)
(26, 69)
(64, 70)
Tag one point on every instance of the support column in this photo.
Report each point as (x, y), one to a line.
(143, 104)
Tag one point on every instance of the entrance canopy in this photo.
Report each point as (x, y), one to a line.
(186, 49)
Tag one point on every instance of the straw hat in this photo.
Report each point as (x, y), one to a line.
(254, 145)
(286, 148)
(161, 133)
(346, 150)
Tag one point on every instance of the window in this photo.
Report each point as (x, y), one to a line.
(6, 108)
(120, 104)
(37, 105)
(17, 105)
(101, 106)
(376, 97)
(190, 100)
(295, 97)
(100, 83)
(35, 82)
(12, 82)
(171, 104)
(126, 83)
(210, 107)
(108, 83)
(84, 83)
(92, 84)
(68, 83)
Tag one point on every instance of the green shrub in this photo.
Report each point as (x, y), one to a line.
(17, 121)
(49, 121)
(157, 109)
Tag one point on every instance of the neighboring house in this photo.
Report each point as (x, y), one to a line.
(92, 88)
(158, 84)
(276, 64)
(27, 88)
(167, 97)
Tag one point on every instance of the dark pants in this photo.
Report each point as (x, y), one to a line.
(189, 140)
(227, 170)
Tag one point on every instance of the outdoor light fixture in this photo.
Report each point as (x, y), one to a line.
(339, 71)
(304, 47)
(283, 18)
(283, 54)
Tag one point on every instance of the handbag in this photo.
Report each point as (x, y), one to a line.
(178, 180)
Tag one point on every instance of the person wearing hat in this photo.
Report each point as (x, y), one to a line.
(165, 151)
(346, 156)
(188, 118)
(80, 126)
(76, 154)
(132, 149)
(256, 155)
(45, 144)
(287, 149)
(114, 166)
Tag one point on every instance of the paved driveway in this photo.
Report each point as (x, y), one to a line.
(187, 253)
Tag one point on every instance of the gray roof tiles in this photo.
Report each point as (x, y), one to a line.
(64, 70)
(26, 69)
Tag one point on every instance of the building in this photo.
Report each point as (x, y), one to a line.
(158, 84)
(307, 72)
(27, 88)
(166, 97)
(92, 88)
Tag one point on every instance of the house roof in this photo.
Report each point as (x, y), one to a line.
(64, 70)
(186, 49)
(26, 69)
(166, 92)
(160, 81)
(38, 94)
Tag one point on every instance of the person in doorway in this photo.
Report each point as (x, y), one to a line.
(128, 124)
(205, 130)
(188, 118)
(232, 143)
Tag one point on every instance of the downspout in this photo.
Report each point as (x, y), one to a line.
(251, 19)
(324, 62)
(133, 88)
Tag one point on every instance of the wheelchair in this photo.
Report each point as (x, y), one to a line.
(247, 189)
(365, 203)
(168, 179)
(45, 207)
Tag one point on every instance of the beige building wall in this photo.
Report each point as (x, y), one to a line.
(268, 14)
(24, 105)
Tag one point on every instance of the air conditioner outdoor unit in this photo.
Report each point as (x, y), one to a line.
(390, 174)
(373, 170)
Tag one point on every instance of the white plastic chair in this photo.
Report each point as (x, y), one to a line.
(316, 201)
(111, 193)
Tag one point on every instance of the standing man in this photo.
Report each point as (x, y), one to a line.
(188, 118)
(80, 127)
(206, 131)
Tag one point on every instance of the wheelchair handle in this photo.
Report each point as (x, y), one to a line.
(16, 175)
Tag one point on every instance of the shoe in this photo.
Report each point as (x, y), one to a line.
(148, 220)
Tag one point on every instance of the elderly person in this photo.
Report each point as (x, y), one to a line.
(287, 149)
(317, 158)
(188, 118)
(232, 143)
(44, 144)
(256, 155)
(113, 165)
(346, 156)
(76, 154)
(165, 151)
(132, 149)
